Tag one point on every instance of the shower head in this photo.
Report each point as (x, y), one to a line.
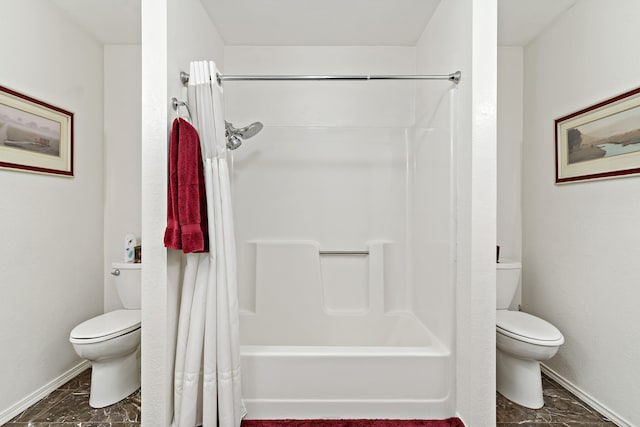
(235, 136)
(245, 132)
(251, 130)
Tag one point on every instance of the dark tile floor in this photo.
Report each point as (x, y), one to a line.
(561, 408)
(68, 406)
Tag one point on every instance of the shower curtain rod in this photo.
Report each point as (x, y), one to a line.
(453, 77)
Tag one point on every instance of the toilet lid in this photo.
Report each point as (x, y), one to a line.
(527, 328)
(106, 326)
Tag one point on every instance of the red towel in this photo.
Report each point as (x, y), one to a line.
(186, 197)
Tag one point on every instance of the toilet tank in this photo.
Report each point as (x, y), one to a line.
(507, 280)
(128, 278)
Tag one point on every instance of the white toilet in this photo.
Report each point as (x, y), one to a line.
(522, 342)
(111, 341)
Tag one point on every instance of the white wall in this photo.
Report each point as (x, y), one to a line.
(580, 241)
(510, 104)
(509, 206)
(462, 35)
(174, 32)
(51, 251)
(122, 157)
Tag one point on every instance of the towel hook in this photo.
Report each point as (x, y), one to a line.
(175, 103)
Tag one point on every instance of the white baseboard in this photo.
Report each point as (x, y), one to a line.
(42, 392)
(587, 398)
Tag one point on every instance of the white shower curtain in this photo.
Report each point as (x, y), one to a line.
(208, 342)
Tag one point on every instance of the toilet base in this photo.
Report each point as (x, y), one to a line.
(113, 379)
(519, 380)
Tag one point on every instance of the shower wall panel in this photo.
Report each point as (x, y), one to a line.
(340, 188)
(432, 215)
(329, 167)
(340, 166)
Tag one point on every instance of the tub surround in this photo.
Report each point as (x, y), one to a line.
(343, 217)
(365, 360)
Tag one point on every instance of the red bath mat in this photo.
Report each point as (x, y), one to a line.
(450, 422)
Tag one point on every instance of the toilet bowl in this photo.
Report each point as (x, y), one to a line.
(111, 342)
(522, 342)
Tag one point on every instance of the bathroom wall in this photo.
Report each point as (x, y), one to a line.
(174, 32)
(122, 157)
(510, 104)
(51, 252)
(462, 35)
(509, 206)
(580, 241)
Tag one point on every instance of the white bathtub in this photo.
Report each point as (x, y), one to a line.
(320, 339)
(402, 372)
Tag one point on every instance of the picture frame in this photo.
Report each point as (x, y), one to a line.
(601, 141)
(34, 136)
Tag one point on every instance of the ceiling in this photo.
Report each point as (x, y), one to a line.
(320, 23)
(313, 22)
(520, 21)
(109, 21)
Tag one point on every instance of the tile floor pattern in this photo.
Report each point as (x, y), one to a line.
(561, 409)
(68, 406)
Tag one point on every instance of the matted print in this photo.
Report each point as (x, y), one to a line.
(601, 141)
(34, 136)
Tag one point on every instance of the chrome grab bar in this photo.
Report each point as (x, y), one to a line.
(344, 252)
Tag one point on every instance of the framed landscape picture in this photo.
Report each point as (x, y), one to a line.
(34, 136)
(600, 141)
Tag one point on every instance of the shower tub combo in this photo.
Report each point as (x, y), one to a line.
(333, 325)
(306, 359)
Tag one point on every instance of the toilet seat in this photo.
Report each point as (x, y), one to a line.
(527, 328)
(105, 327)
